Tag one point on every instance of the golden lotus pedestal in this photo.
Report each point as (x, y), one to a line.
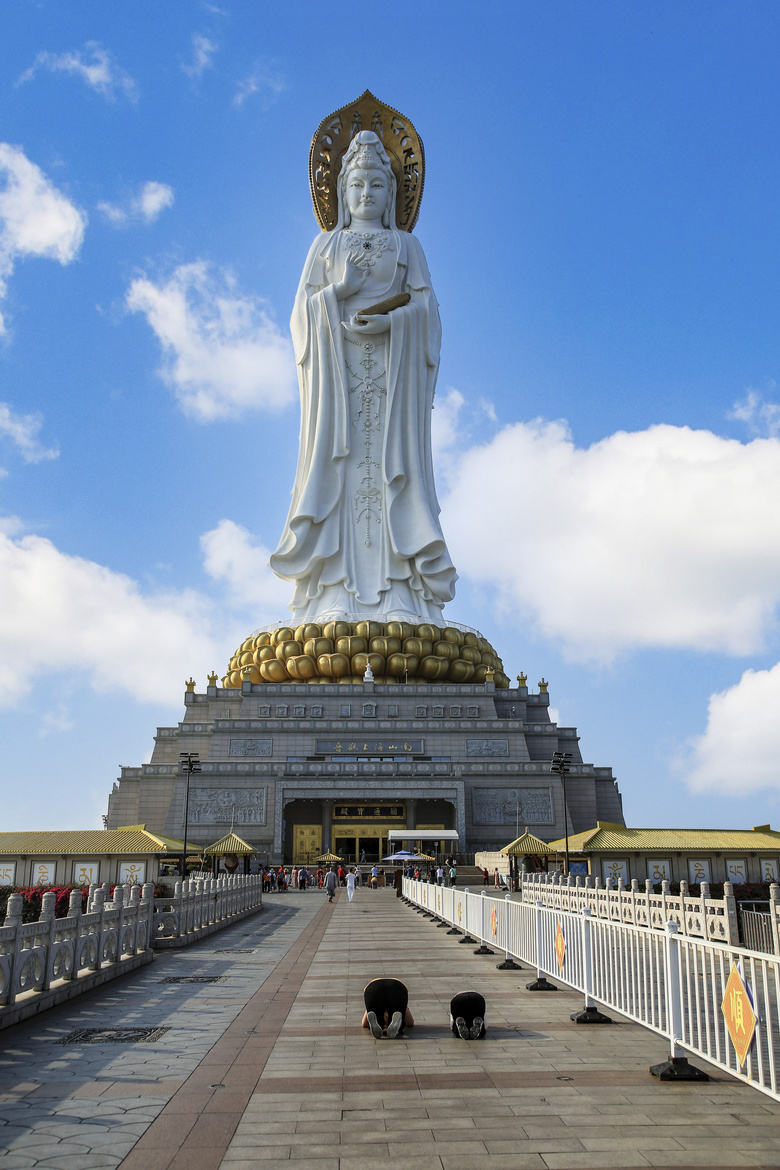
(341, 651)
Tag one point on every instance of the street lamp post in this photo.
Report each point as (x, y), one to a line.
(190, 766)
(560, 766)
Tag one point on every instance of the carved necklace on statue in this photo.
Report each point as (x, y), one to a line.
(369, 246)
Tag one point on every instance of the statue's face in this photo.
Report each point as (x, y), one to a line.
(367, 194)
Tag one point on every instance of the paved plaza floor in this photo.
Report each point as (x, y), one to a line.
(269, 1066)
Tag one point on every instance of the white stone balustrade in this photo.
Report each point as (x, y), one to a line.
(45, 962)
(199, 907)
(42, 962)
(703, 917)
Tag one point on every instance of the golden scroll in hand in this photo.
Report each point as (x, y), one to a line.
(384, 306)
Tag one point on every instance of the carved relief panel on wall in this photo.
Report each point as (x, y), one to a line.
(499, 806)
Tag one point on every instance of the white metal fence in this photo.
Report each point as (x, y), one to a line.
(34, 955)
(672, 983)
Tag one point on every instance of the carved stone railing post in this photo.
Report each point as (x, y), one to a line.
(664, 899)
(119, 906)
(145, 911)
(98, 906)
(178, 907)
(135, 902)
(74, 913)
(13, 910)
(48, 917)
(683, 914)
(730, 914)
(774, 910)
(13, 918)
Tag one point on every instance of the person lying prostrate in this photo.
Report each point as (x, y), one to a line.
(467, 1015)
(387, 1008)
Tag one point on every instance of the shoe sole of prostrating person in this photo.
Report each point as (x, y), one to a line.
(395, 1025)
(463, 1029)
(374, 1025)
(476, 1027)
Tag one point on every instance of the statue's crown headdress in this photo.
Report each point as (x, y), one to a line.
(366, 151)
(369, 134)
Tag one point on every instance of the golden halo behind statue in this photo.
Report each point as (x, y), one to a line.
(399, 138)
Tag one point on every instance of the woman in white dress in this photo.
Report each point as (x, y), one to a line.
(351, 885)
(363, 535)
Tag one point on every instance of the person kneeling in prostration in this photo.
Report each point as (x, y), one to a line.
(387, 1008)
(467, 1015)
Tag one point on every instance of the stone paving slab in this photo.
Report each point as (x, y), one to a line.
(92, 1102)
(271, 1066)
(539, 1091)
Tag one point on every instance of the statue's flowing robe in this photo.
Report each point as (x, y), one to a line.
(404, 568)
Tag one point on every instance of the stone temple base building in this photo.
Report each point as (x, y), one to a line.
(300, 768)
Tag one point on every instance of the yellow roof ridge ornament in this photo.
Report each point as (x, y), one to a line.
(543, 685)
(522, 679)
(213, 678)
(190, 684)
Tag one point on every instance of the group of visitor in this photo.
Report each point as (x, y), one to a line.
(277, 880)
(387, 1013)
(436, 875)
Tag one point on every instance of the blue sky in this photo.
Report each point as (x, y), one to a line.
(600, 219)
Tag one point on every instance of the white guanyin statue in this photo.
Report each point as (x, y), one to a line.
(363, 535)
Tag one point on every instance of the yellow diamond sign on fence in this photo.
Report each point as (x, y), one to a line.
(738, 1013)
(493, 921)
(560, 946)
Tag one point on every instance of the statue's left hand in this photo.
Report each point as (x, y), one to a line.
(367, 325)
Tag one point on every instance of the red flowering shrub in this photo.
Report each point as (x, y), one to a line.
(32, 899)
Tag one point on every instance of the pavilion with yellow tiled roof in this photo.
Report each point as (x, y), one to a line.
(229, 845)
(81, 856)
(692, 855)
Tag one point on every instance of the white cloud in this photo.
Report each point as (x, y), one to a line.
(203, 49)
(231, 555)
(56, 719)
(147, 205)
(261, 80)
(446, 427)
(64, 613)
(760, 416)
(23, 430)
(453, 425)
(35, 218)
(95, 66)
(666, 537)
(739, 751)
(223, 352)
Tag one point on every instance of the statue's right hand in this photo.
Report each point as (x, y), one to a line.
(353, 279)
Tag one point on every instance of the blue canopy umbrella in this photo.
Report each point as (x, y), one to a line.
(407, 855)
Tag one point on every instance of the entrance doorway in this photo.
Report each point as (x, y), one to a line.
(362, 843)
